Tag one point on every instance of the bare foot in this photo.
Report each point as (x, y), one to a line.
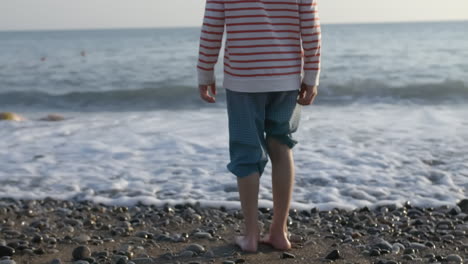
(247, 244)
(280, 242)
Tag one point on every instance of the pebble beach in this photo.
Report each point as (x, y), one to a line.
(50, 231)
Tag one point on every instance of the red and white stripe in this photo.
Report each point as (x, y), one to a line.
(264, 38)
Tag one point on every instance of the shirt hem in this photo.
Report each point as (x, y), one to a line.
(262, 85)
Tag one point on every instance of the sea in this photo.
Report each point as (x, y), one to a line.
(389, 124)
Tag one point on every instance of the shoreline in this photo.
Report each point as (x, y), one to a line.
(60, 231)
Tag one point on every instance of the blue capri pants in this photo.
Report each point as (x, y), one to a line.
(253, 117)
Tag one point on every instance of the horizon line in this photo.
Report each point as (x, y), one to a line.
(181, 27)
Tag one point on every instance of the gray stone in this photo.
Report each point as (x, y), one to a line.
(455, 258)
(119, 259)
(296, 238)
(196, 248)
(417, 245)
(209, 254)
(408, 257)
(7, 261)
(202, 235)
(83, 238)
(384, 245)
(187, 254)
(56, 261)
(142, 234)
(81, 262)
(228, 262)
(143, 261)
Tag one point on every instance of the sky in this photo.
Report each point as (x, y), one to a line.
(89, 14)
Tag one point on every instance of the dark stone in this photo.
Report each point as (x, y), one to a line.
(374, 253)
(37, 238)
(122, 260)
(6, 251)
(39, 251)
(429, 244)
(407, 205)
(463, 204)
(408, 257)
(287, 255)
(364, 210)
(384, 251)
(237, 261)
(81, 252)
(455, 210)
(333, 255)
(56, 261)
(408, 251)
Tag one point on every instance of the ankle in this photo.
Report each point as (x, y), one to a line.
(278, 233)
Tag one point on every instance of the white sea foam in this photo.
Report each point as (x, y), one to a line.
(347, 157)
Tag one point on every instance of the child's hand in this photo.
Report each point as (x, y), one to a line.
(205, 95)
(307, 94)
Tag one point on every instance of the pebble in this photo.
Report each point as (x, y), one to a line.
(81, 252)
(56, 261)
(202, 235)
(143, 261)
(209, 254)
(384, 245)
(333, 255)
(296, 238)
(197, 248)
(455, 258)
(6, 251)
(463, 204)
(83, 238)
(374, 253)
(187, 254)
(7, 261)
(416, 245)
(408, 257)
(286, 255)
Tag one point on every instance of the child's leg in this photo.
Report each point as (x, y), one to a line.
(283, 182)
(248, 154)
(248, 192)
(282, 119)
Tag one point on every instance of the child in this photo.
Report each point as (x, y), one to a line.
(271, 68)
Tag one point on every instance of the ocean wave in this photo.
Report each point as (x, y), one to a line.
(185, 97)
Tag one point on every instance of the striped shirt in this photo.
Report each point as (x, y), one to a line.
(270, 45)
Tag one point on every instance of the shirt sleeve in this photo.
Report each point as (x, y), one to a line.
(210, 41)
(311, 40)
